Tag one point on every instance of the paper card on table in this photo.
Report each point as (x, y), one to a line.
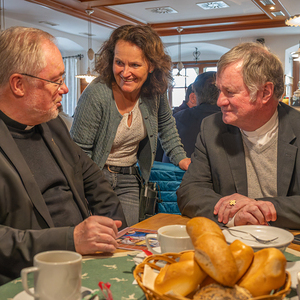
(134, 239)
(149, 277)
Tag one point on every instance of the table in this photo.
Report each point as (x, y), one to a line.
(161, 219)
(116, 268)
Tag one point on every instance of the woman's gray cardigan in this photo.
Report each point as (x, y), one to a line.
(97, 118)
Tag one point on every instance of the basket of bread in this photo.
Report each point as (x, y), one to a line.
(214, 270)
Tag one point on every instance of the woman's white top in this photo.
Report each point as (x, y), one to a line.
(126, 143)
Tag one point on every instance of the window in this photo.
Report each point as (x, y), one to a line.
(181, 82)
(69, 100)
(188, 75)
(208, 69)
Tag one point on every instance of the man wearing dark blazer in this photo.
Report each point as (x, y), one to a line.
(189, 101)
(52, 195)
(245, 168)
(188, 121)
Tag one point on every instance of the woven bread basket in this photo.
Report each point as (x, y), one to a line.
(156, 262)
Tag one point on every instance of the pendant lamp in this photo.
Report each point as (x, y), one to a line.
(89, 77)
(180, 65)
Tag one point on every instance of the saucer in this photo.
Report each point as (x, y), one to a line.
(24, 296)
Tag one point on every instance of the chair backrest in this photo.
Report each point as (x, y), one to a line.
(168, 177)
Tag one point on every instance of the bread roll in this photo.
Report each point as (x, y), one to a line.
(199, 225)
(211, 250)
(243, 255)
(218, 292)
(267, 272)
(208, 280)
(215, 258)
(181, 277)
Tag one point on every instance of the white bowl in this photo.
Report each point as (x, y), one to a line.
(260, 231)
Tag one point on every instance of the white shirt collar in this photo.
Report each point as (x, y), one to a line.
(265, 133)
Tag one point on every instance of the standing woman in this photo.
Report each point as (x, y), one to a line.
(121, 113)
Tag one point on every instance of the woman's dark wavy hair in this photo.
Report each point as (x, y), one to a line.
(150, 43)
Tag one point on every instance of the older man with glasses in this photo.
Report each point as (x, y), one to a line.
(52, 195)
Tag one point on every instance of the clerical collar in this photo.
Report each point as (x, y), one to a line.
(12, 123)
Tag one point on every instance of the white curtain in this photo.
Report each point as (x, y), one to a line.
(69, 100)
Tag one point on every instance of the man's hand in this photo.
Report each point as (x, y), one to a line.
(258, 213)
(247, 210)
(184, 163)
(95, 234)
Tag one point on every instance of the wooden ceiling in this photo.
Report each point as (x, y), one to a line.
(109, 18)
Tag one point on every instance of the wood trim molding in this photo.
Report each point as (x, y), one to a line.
(109, 18)
(97, 3)
(102, 16)
(218, 25)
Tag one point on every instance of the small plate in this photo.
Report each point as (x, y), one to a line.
(263, 232)
(24, 296)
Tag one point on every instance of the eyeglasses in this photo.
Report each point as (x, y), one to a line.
(59, 83)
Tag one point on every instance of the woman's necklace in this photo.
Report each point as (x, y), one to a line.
(128, 110)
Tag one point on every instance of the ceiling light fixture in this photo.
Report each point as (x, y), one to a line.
(296, 55)
(267, 2)
(277, 13)
(163, 10)
(213, 5)
(180, 65)
(89, 77)
(293, 21)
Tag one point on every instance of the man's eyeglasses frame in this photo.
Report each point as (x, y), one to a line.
(59, 83)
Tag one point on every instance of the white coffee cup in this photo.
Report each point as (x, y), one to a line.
(172, 238)
(57, 275)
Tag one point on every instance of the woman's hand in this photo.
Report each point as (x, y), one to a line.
(184, 163)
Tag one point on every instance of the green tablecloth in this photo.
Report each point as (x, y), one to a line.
(118, 271)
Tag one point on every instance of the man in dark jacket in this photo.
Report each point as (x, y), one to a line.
(189, 102)
(52, 195)
(245, 167)
(188, 121)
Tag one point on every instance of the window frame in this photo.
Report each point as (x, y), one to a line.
(201, 65)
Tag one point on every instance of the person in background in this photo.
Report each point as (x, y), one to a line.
(188, 121)
(52, 195)
(245, 168)
(189, 102)
(121, 113)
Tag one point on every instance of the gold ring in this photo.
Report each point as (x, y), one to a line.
(232, 202)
